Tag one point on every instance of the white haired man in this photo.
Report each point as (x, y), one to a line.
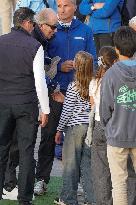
(71, 36)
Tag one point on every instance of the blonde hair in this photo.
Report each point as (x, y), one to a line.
(84, 73)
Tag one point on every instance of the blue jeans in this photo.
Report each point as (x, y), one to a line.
(72, 156)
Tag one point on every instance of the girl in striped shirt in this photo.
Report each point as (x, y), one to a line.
(74, 122)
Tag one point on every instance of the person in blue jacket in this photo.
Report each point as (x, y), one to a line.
(104, 19)
(37, 5)
(71, 36)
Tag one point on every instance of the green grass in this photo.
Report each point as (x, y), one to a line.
(53, 192)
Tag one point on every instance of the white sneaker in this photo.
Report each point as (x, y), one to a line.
(12, 195)
(40, 188)
(58, 201)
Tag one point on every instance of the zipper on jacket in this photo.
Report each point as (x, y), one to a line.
(68, 43)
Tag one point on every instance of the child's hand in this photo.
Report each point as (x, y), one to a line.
(58, 137)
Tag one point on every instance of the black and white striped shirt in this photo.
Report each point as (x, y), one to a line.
(75, 110)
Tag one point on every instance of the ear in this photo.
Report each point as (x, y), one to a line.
(117, 51)
(115, 61)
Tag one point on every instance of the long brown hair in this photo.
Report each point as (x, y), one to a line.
(84, 73)
(108, 57)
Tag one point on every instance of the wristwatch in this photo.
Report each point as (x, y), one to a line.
(92, 8)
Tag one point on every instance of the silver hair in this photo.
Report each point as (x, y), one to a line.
(44, 16)
(73, 1)
(132, 22)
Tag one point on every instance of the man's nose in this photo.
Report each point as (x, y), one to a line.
(62, 9)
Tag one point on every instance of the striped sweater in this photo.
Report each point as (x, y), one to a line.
(75, 110)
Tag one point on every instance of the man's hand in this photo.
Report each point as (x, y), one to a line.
(67, 66)
(58, 137)
(58, 97)
(43, 119)
(98, 5)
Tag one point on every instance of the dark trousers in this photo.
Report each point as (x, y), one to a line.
(103, 39)
(13, 162)
(47, 144)
(25, 119)
(100, 167)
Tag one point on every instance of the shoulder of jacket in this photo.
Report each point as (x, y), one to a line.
(36, 43)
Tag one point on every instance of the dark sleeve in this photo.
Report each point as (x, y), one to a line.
(131, 7)
(80, 16)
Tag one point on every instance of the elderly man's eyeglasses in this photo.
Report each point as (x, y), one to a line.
(53, 27)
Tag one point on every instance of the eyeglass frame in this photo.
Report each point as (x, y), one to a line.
(53, 27)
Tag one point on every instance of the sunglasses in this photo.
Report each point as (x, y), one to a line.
(53, 27)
